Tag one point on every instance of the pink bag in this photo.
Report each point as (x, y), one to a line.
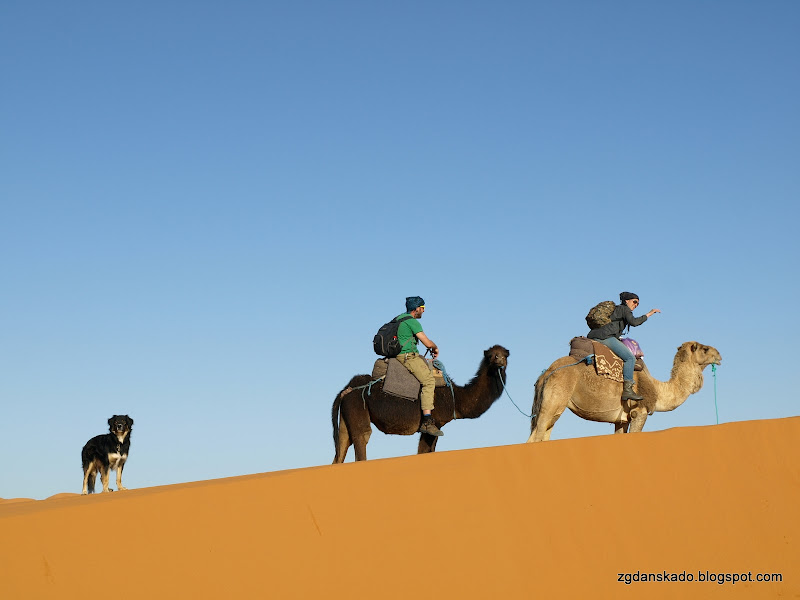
(633, 346)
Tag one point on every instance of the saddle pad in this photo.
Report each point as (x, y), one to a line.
(606, 363)
(581, 347)
(379, 370)
(400, 382)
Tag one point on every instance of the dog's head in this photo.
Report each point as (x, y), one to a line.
(120, 425)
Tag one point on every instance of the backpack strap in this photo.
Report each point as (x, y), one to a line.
(626, 328)
(400, 321)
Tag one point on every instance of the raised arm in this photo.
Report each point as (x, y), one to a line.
(428, 343)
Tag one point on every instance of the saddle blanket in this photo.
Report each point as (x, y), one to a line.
(606, 363)
(399, 381)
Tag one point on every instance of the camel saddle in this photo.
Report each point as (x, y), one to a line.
(606, 363)
(399, 381)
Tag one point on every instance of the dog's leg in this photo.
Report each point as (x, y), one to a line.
(120, 488)
(104, 476)
(88, 478)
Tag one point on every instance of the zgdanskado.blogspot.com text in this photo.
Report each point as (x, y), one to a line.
(699, 577)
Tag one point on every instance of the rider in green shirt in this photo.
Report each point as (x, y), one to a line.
(409, 333)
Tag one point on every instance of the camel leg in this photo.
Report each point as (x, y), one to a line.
(554, 403)
(344, 442)
(545, 421)
(427, 443)
(621, 427)
(360, 445)
(540, 433)
(638, 418)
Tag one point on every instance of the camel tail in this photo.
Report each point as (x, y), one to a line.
(538, 395)
(337, 404)
(336, 412)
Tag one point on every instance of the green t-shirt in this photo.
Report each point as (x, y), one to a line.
(406, 333)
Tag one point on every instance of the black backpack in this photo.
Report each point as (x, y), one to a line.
(385, 341)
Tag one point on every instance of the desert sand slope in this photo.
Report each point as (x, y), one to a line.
(556, 520)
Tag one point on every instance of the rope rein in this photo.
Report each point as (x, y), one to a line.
(714, 373)
(500, 373)
(437, 364)
(587, 359)
(366, 386)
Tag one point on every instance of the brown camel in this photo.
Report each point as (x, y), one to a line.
(596, 398)
(354, 409)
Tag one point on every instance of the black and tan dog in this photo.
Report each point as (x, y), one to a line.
(107, 452)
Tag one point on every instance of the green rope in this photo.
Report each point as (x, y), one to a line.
(368, 387)
(714, 373)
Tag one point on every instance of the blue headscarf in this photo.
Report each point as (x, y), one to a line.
(413, 302)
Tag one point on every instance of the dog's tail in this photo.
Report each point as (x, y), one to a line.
(90, 477)
(86, 462)
(90, 482)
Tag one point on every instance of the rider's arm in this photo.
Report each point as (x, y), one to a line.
(428, 344)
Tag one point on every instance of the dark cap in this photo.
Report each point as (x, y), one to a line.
(627, 296)
(413, 302)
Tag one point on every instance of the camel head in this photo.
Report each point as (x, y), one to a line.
(699, 354)
(496, 358)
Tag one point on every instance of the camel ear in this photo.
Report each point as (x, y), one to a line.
(694, 346)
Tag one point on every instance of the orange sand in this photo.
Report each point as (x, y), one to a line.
(559, 519)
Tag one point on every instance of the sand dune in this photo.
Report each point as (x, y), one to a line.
(564, 519)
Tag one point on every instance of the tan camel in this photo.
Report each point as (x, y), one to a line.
(596, 398)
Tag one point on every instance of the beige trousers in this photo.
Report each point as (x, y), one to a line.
(419, 369)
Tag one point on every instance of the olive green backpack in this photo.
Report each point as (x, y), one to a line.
(600, 314)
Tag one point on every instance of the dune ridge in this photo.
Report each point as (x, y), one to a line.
(563, 518)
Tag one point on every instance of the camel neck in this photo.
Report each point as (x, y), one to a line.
(478, 395)
(682, 383)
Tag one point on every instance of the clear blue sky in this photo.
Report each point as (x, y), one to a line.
(209, 208)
